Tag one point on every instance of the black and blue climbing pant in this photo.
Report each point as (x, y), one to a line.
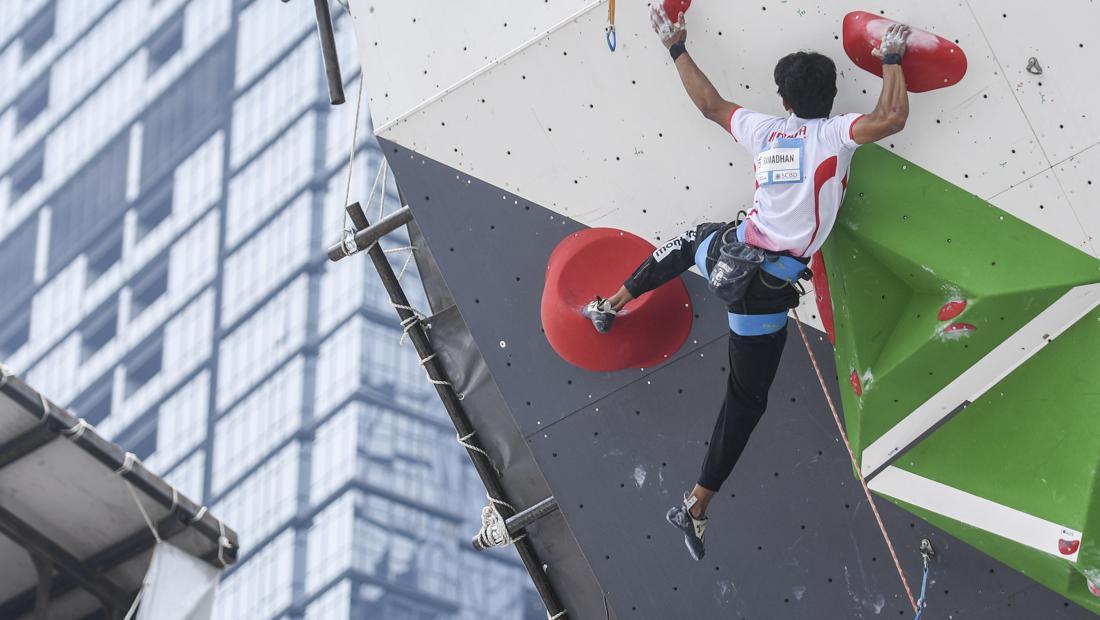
(753, 360)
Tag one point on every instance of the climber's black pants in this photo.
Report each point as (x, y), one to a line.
(753, 360)
(753, 363)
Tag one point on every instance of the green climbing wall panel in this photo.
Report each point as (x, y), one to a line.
(907, 243)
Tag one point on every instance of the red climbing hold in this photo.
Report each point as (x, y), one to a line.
(595, 262)
(821, 295)
(1068, 547)
(673, 8)
(1093, 588)
(957, 330)
(952, 309)
(930, 61)
(856, 384)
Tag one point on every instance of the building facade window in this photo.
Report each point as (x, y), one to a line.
(31, 105)
(165, 43)
(104, 256)
(144, 366)
(148, 287)
(27, 173)
(153, 212)
(100, 327)
(98, 405)
(15, 334)
(38, 30)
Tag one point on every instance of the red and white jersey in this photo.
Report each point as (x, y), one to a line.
(801, 168)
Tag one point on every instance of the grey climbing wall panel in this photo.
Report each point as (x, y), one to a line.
(791, 535)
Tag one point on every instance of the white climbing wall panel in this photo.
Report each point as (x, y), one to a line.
(1042, 201)
(418, 48)
(1079, 176)
(542, 108)
(1059, 104)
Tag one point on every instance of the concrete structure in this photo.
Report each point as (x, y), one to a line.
(170, 174)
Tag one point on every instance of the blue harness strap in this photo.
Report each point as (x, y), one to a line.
(701, 254)
(786, 268)
(757, 324)
(745, 324)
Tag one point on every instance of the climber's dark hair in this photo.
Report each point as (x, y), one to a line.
(807, 83)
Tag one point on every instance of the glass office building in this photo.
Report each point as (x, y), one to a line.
(170, 175)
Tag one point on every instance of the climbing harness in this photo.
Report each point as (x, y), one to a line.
(612, 38)
(734, 270)
(926, 552)
(855, 464)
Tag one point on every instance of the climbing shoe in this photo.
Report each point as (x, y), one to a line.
(600, 313)
(680, 517)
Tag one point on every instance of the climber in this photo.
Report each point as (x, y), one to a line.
(801, 171)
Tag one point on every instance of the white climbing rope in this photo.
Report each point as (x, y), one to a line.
(464, 441)
(76, 431)
(141, 508)
(494, 528)
(45, 407)
(855, 464)
(407, 324)
(127, 463)
(494, 531)
(425, 360)
(223, 540)
(223, 543)
(148, 523)
(384, 171)
(198, 515)
(354, 141)
(408, 259)
(134, 605)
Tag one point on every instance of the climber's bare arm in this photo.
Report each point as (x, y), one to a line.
(889, 116)
(703, 94)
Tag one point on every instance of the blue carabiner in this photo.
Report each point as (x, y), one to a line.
(612, 38)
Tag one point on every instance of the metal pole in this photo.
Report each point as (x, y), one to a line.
(519, 521)
(424, 350)
(366, 236)
(44, 567)
(328, 52)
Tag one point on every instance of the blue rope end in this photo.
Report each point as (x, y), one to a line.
(923, 591)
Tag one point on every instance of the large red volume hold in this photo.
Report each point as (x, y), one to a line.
(595, 262)
(930, 61)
